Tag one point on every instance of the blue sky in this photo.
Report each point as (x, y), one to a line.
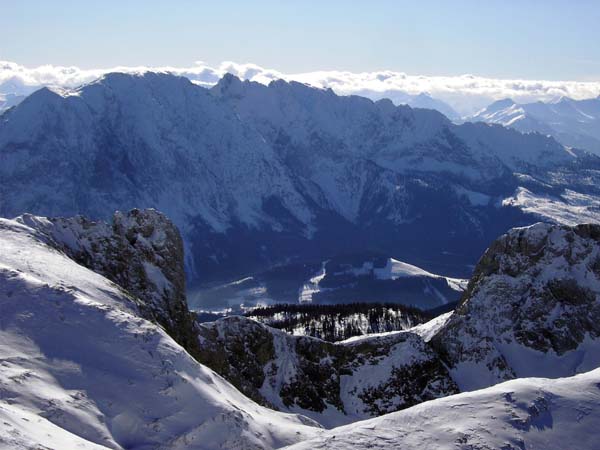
(552, 40)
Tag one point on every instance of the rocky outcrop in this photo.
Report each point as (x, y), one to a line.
(532, 307)
(337, 382)
(141, 251)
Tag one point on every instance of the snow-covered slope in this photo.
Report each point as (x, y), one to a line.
(395, 269)
(530, 413)
(81, 368)
(532, 308)
(368, 278)
(575, 123)
(141, 251)
(257, 176)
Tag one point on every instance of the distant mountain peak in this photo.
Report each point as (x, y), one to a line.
(574, 123)
(503, 103)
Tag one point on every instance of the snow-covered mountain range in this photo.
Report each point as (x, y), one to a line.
(12, 93)
(257, 176)
(575, 123)
(422, 100)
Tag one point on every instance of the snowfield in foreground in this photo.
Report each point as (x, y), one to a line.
(79, 368)
(528, 413)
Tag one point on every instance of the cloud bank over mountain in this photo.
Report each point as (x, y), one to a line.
(465, 93)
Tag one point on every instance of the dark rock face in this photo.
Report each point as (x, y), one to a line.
(244, 352)
(428, 381)
(536, 289)
(142, 252)
(359, 379)
(317, 382)
(239, 356)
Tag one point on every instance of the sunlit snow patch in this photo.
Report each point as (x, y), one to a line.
(570, 208)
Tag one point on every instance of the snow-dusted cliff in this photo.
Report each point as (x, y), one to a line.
(82, 368)
(332, 383)
(141, 251)
(532, 308)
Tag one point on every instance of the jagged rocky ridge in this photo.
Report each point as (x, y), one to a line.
(255, 176)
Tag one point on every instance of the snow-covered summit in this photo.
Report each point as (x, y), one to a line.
(572, 122)
(532, 308)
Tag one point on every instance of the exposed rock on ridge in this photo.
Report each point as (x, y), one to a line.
(141, 251)
(334, 383)
(532, 307)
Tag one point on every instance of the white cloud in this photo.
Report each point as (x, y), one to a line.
(465, 93)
